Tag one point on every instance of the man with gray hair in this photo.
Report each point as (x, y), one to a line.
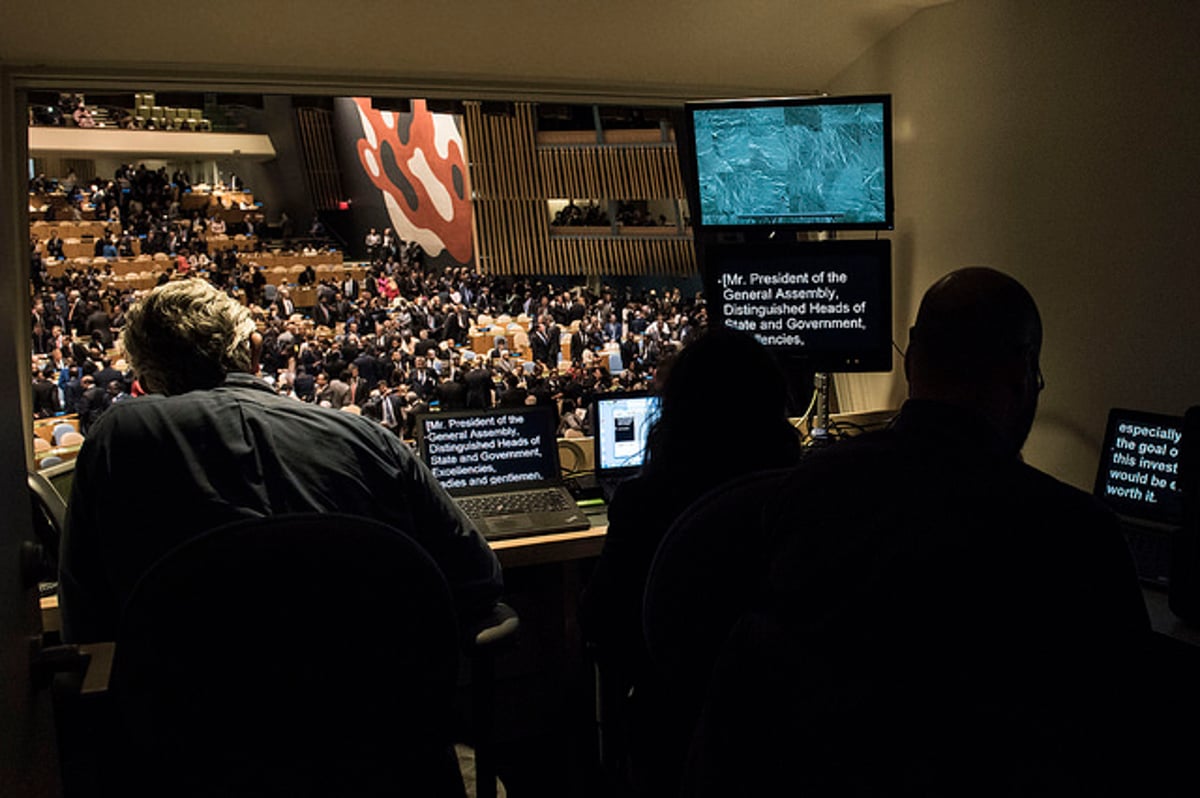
(212, 443)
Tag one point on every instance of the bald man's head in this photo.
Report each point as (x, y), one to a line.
(976, 343)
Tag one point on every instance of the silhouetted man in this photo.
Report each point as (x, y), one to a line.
(914, 611)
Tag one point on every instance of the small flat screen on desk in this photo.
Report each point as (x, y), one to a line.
(817, 305)
(622, 423)
(1138, 476)
(799, 163)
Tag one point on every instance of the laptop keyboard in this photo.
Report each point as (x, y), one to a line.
(528, 501)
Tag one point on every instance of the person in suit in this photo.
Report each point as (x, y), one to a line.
(322, 394)
(480, 389)
(631, 351)
(539, 344)
(457, 326)
(451, 393)
(72, 389)
(92, 403)
(578, 343)
(358, 387)
(54, 246)
(323, 314)
(338, 392)
(284, 304)
(513, 394)
(45, 392)
(422, 379)
(107, 373)
(386, 406)
(612, 328)
(304, 384)
(554, 343)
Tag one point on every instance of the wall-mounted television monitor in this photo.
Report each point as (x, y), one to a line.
(802, 164)
(817, 305)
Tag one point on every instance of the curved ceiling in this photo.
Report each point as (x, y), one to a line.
(666, 49)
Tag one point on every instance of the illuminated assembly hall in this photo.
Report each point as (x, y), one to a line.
(504, 223)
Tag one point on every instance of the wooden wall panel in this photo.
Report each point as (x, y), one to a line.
(513, 179)
(324, 179)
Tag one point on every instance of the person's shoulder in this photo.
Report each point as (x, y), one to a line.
(130, 418)
(634, 493)
(1050, 493)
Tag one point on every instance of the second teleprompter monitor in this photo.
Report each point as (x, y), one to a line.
(816, 305)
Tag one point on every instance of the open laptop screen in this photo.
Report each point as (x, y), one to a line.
(486, 451)
(622, 423)
(1138, 476)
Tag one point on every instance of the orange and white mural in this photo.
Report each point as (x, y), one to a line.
(417, 161)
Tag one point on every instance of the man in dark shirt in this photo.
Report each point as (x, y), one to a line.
(213, 444)
(915, 611)
(45, 393)
(92, 403)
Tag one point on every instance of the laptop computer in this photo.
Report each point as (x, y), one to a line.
(621, 424)
(501, 468)
(1138, 479)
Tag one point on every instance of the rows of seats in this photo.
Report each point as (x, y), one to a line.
(43, 230)
(273, 259)
(303, 297)
(76, 247)
(289, 264)
(51, 430)
(288, 275)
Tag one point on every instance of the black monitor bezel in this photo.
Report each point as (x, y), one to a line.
(1171, 515)
(692, 174)
(612, 396)
(548, 420)
(877, 359)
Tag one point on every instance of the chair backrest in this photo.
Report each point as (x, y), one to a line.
(49, 519)
(288, 654)
(60, 430)
(571, 456)
(71, 438)
(685, 617)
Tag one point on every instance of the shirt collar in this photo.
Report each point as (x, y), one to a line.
(237, 379)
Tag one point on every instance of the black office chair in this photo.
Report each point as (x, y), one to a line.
(694, 595)
(294, 655)
(698, 587)
(49, 519)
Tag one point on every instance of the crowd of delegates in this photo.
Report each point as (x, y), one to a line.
(391, 345)
(139, 203)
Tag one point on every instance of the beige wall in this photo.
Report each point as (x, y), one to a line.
(1058, 141)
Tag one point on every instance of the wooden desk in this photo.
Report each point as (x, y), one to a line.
(558, 548)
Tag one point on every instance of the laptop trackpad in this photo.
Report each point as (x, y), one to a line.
(510, 524)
